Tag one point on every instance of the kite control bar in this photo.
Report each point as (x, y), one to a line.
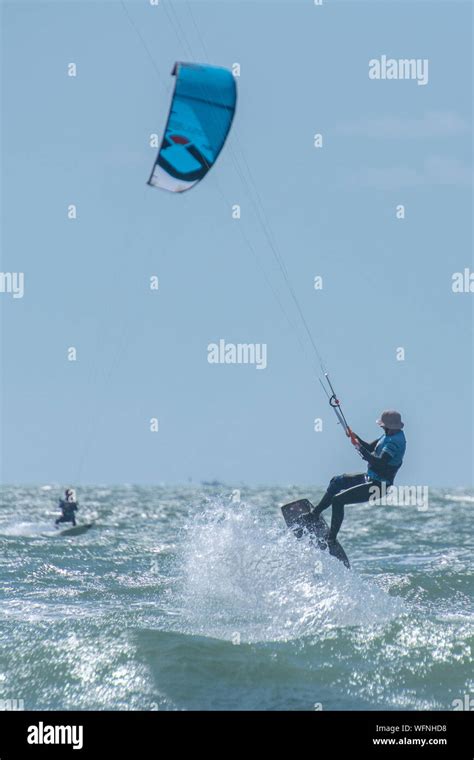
(336, 405)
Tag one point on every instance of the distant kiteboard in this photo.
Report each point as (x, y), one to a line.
(298, 518)
(78, 530)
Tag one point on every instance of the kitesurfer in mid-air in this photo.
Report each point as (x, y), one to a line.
(384, 457)
(68, 507)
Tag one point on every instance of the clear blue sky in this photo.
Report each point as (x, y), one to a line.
(331, 212)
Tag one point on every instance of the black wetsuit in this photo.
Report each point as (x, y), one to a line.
(69, 509)
(356, 488)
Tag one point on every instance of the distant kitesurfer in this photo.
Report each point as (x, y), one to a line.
(68, 507)
(384, 457)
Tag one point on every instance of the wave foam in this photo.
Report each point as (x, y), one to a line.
(243, 575)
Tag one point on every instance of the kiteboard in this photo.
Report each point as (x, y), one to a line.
(76, 530)
(298, 517)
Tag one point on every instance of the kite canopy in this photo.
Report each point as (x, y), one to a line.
(200, 117)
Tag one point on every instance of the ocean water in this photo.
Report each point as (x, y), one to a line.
(189, 598)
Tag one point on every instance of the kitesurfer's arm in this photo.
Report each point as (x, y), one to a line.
(374, 459)
(367, 446)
